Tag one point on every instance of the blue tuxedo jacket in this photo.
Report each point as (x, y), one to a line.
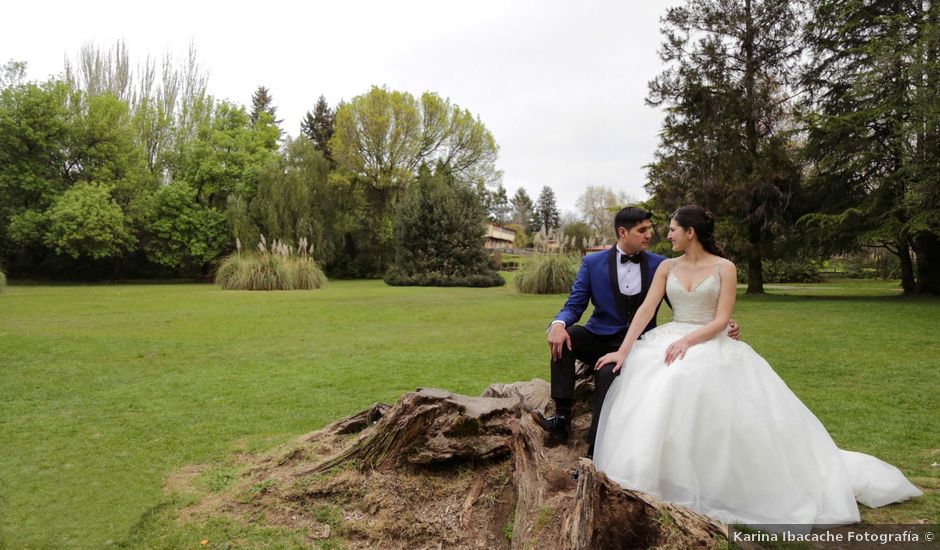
(597, 283)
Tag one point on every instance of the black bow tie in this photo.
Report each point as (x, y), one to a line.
(635, 258)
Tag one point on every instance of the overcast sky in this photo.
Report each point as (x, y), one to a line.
(561, 84)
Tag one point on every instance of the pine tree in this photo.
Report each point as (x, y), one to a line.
(438, 229)
(523, 210)
(262, 102)
(318, 126)
(725, 140)
(873, 86)
(547, 210)
(499, 205)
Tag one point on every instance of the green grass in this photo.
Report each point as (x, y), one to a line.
(106, 390)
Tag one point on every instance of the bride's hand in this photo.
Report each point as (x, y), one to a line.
(676, 350)
(615, 357)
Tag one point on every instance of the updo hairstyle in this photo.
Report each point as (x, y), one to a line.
(703, 222)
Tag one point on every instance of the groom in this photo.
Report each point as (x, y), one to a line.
(617, 282)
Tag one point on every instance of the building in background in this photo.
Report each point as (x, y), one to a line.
(499, 237)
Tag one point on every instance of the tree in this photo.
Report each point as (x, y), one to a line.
(578, 235)
(166, 106)
(874, 132)
(103, 148)
(383, 136)
(318, 126)
(35, 135)
(438, 234)
(226, 154)
(262, 103)
(12, 74)
(725, 142)
(598, 204)
(499, 205)
(523, 211)
(380, 140)
(298, 199)
(546, 212)
(86, 222)
(180, 233)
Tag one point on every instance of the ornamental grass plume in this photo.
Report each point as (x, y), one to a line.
(547, 274)
(273, 267)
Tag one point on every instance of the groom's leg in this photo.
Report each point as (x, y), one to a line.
(584, 345)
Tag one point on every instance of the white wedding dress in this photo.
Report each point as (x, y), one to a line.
(719, 432)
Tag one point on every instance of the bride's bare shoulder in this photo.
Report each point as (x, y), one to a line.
(726, 266)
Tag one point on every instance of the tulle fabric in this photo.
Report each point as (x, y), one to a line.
(721, 433)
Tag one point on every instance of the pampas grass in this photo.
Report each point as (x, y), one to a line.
(276, 268)
(547, 274)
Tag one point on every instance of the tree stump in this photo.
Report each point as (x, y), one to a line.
(439, 469)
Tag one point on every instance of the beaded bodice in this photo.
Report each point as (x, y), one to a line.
(697, 306)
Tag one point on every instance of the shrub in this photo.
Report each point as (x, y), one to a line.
(784, 271)
(395, 278)
(547, 274)
(275, 269)
(437, 234)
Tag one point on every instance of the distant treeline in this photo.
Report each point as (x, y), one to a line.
(809, 128)
(111, 171)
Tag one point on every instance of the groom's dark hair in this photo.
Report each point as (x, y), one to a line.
(630, 216)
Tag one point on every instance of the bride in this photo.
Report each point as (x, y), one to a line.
(702, 420)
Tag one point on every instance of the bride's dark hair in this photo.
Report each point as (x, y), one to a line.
(703, 222)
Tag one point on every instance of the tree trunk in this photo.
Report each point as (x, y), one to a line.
(907, 266)
(439, 469)
(927, 247)
(755, 275)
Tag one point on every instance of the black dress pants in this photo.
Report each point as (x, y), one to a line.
(586, 347)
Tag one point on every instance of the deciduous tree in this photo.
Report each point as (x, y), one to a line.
(598, 204)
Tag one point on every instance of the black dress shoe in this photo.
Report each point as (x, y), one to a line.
(557, 426)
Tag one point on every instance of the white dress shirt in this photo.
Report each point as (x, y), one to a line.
(628, 275)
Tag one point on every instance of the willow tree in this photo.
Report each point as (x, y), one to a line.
(724, 142)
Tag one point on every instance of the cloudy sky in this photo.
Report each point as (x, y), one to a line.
(560, 84)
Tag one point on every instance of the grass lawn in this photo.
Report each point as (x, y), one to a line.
(107, 390)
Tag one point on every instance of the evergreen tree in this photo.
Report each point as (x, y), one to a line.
(546, 212)
(437, 234)
(724, 143)
(318, 126)
(873, 86)
(263, 102)
(499, 205)
(523, 211)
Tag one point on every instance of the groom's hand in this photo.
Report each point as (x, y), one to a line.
(557, 338)
(734, 330)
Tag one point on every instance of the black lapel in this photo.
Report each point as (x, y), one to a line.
(644, 276)
(619, 298)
